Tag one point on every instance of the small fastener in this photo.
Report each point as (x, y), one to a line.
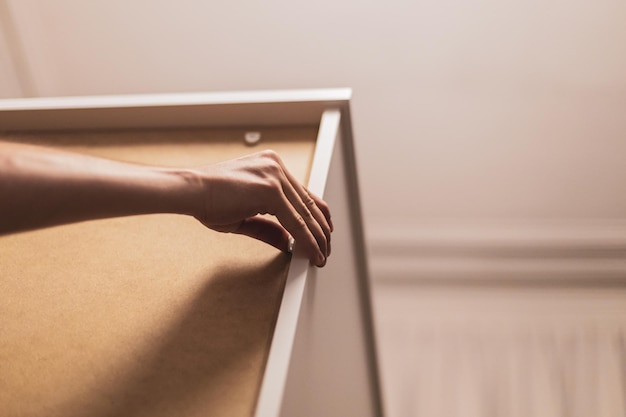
(252, 138)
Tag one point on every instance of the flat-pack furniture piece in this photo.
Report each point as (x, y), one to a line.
(157, 315)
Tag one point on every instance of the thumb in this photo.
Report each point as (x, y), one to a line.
(266, 231)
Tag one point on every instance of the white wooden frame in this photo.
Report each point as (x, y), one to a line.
(329, 108)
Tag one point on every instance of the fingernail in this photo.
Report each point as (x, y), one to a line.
(321, 259)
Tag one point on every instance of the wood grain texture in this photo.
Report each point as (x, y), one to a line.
(146, 315)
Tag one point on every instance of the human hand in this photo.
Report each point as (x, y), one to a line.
(234, 192)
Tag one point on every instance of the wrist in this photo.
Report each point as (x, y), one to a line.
(185, 190)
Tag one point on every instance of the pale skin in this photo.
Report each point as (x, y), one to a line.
(42, 187)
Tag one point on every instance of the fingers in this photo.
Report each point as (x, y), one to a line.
(260, 184)
(313, 210)
(296, 218)
(304, 213)
(325, 210)
(305, 217)
(266, 231)
(321, 204)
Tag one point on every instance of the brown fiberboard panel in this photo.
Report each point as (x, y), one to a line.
(147, 315)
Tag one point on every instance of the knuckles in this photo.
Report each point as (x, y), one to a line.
(269, 163)
(300, 223)
(270, 154)
(310, 203)
(264, 157)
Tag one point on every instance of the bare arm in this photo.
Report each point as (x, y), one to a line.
(41, 187)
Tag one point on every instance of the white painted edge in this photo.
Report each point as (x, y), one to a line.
(177, 99)
(328, 132)
(270, 397)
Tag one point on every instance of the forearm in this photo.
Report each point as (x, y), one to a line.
(41, 187)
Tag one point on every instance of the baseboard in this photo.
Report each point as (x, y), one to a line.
(589, 252)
